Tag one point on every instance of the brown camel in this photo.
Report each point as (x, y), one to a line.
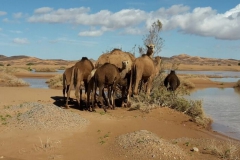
(107, 75)
(122, 83)
(150, 50)
(171, 82)
(144, 69)
(157, 62)
(80, 73)
(117, 57)
(67, 79)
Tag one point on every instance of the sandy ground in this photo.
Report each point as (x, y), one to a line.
(98, 139)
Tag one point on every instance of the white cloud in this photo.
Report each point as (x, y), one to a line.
(17, 15)
(20, 41)
(43, 10)
(92, 33)
(202, 21)
(2, 13)
(18, 32)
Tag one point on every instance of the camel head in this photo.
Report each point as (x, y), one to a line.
(150, 49)
(125, 64)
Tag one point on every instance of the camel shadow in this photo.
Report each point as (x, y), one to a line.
(60, 102)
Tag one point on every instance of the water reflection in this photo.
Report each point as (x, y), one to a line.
(225, 79)
(36, 82)
(223, 106)
(216, 73)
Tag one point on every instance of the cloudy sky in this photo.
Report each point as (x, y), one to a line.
(71, 29)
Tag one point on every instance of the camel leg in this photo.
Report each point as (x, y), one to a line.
(149, 86)
(110, 101)
(100, 97)
(138, 78)
(68, 96)
(77, 90)
(113, 95)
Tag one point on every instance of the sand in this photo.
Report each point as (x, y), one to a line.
(171, 134)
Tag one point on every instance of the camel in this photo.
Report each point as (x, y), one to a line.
(157, 61)
(80, 73)
(117, 57)
(107, 75)
(66, 80)
(150, 50)
(171, 82)
(144, 69)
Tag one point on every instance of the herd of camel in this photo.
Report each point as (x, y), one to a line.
(117, 70)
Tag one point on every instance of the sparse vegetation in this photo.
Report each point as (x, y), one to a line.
(30, 64)
(237, 84)
(10, 80)
(1, 64)
(55, 82)
(45, 69)
(161, 97)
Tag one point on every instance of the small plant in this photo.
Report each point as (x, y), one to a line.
(30, 64)
(239, 64)
(1, 64)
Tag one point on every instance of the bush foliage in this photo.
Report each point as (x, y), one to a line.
(177, 100)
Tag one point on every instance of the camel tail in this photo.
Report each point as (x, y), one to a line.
(75, 76)
(64, 84)
(133, 72)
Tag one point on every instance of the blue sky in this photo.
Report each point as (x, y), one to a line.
(75, 28)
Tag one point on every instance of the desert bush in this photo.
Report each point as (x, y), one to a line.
(237, 84)
(1, 64)
(45, 69)
(223, 149)
(30, 64)
(12, 70)
(239, 64)
(55, 81)
(8, 64)
(229, 64)
(160, 96)
(62, 68)
(10, 80)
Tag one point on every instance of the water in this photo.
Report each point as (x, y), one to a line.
(225, 79)
(57, 72)
(223, 106)
(36, 82)
(215, 73)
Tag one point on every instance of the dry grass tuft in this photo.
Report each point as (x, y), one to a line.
(159, 96)
(45, 69)
(227, 149)
(55, 82)
(6, 79)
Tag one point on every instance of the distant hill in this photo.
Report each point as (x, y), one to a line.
(180, 59)
(187, 59)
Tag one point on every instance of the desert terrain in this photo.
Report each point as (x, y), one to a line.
(34, 125)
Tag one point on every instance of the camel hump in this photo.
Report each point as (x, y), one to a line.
(84, 58)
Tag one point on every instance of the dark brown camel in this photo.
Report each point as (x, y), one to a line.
(80, 73)
(107, 75)
(171, 82)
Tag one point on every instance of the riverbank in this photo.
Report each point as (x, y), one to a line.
(98, 140)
